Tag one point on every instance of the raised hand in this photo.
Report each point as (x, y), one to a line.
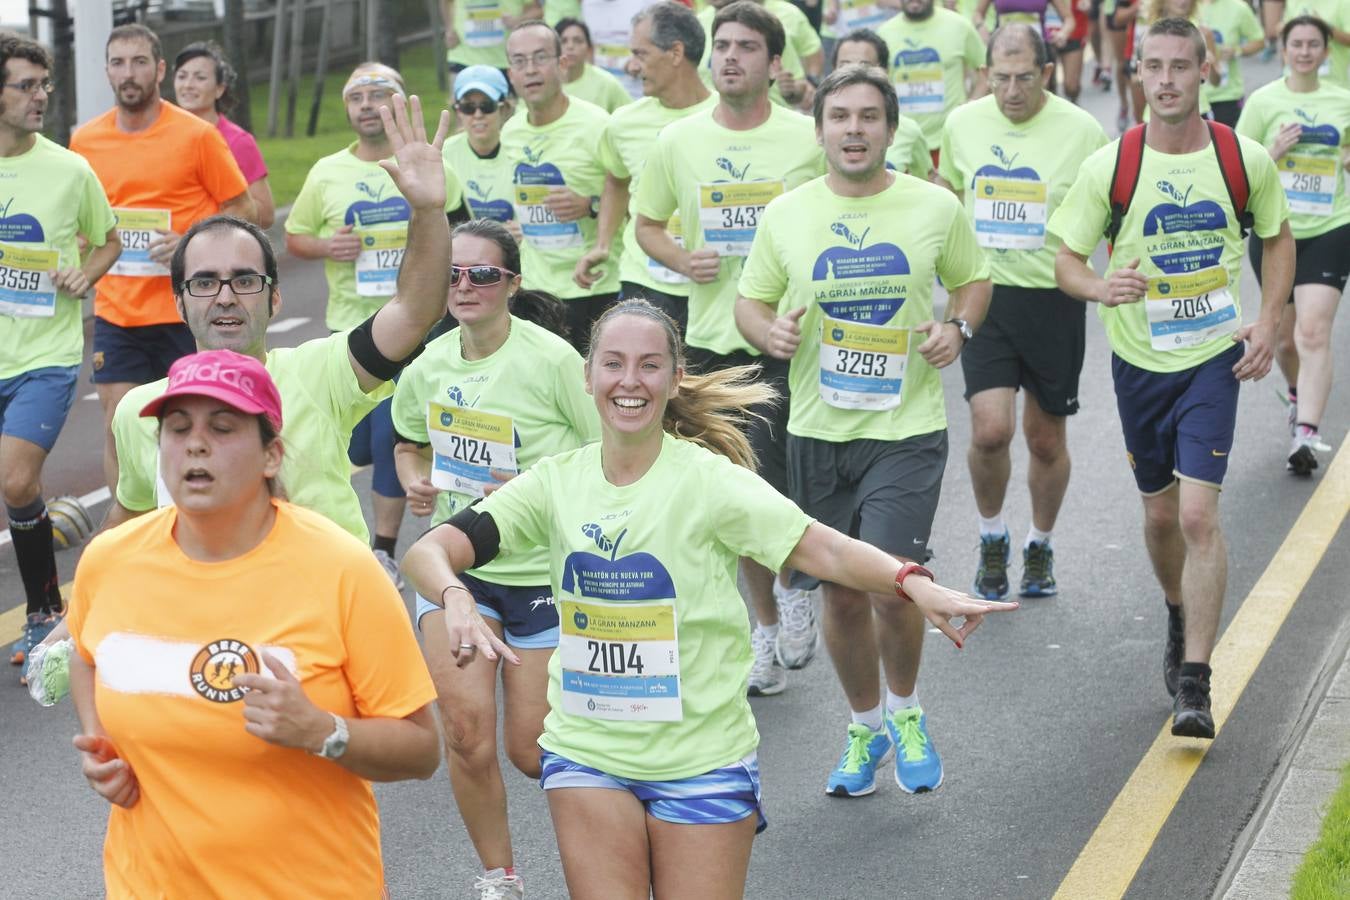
(417, 169)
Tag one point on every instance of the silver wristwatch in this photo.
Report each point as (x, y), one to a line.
(962, 326)
(336, 743)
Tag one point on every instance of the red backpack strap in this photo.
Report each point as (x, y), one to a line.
(1229, 152)
(1125, 178)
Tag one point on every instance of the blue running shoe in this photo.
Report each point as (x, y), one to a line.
(1038, 570)
(991, 578)
(856, 774)
(917, 766)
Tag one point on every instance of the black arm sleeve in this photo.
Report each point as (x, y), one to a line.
(481, 531)
(361, 342)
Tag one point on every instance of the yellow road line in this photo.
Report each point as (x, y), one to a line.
(1108, 862)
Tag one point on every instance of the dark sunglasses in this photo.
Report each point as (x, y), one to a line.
(487, 107)
(479, 276)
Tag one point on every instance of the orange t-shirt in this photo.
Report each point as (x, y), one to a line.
(223, 813)
(180, 165)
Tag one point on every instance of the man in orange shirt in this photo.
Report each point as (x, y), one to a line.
(163, 169)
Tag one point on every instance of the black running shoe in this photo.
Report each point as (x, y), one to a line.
(1190, 710)
(991, 579)
(1038, 570)
(1302, 460)
(1173, 649)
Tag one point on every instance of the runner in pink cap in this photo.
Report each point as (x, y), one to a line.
(233, 378)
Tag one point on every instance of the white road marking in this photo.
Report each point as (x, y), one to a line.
(287, 325)
(92, 396)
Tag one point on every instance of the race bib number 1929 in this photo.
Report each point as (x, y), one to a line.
(137, 228)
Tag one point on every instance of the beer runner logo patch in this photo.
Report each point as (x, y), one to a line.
(215, 666)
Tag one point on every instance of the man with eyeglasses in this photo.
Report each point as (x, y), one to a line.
(667, 41)
(51, 200)
(224, 273)
(840, 283)
(1012, 157)
(570, 207)
(163, 170)
(936, 60)
(349, 214)
(716, 170)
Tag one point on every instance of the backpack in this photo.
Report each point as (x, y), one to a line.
(1130, 159)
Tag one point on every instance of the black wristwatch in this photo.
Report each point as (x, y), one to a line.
(595, 207)
(962, 326)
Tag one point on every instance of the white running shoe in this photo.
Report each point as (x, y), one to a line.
(798, 634)
(390, 568)
(766, 675)
(497, 885)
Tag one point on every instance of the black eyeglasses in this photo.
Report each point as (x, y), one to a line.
(487, 107)
(479, 276)
(247, 283)
(31, 86)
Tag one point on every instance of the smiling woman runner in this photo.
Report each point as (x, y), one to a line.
(649, 744)
(483, 402)
(243, 669)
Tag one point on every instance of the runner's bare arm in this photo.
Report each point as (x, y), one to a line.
(831, 556)
(261, 192)
(759, 323)
(701, 265)
(1277, 282)
(613, 207)
(1077, 279)
(413, 465)
(242, 207)
(418, 171)
(77, 280)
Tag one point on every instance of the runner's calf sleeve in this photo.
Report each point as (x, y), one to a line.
(30, 530)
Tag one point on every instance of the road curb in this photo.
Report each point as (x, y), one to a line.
(1288, 818)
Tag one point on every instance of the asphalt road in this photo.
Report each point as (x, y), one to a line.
(1040, 720)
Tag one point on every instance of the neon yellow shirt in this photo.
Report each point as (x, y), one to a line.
(1335, 13)
(532, 389)
(648, 571)
(482, 29)
(864, 269)
(629, 138)
(321, 403)
(343, 190)
(487, 181)
(1311, 172)
(1011, 177)
(1182, 229)
(929, 59)
(909, 151)
(565, 152)
(598, 86)
(50, 197)
(1233, 24)
(719, 181)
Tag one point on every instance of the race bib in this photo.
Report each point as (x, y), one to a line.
(620, 661)
(1309, 182)
(484, 26)
(612, 57)
(137, 228)
(26, 289)
(1189, 309)
(537, 222)
(862, 366)
(658, 272)
(730, 212)
(379, 260)
(860, 14)
(920, 89)
(1021, 18)
(466, 445)
(1010, 213)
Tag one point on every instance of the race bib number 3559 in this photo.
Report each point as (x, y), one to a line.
(26, 288)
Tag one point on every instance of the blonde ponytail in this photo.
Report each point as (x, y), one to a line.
(712, 410)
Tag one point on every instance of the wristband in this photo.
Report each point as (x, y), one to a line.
(908, 569)
(453, 587)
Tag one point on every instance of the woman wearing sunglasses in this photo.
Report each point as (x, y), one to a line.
(482, 106)
(483, 402)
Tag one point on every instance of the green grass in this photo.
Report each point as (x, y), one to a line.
(289, 159)
(1324, 873)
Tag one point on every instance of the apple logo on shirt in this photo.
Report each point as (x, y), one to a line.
(1006, 170)
(534, 171)
(483, 206)
(376, 211)
(1313, 133)
(608, 576)
(1183, 226)
(874, 304)
(20, 226)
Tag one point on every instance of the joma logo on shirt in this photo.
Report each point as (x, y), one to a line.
(215, 666)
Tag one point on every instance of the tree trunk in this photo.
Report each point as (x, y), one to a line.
(236, 50)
